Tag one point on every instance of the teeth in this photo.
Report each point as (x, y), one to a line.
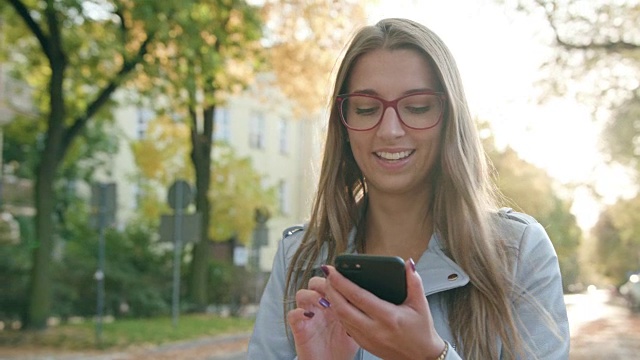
(393, 156)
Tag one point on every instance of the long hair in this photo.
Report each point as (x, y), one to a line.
(464, 203)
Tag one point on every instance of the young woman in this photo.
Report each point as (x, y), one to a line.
(404, 174)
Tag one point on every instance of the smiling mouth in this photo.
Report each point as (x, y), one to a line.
(395, 155)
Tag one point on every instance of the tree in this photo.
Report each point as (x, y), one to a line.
(597, 57)
(235, 190)
(617, 235)
(221, 55)
(305, 39)
(212, 51)
(74, 54)
(530, 189)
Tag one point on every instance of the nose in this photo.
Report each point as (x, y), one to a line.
(390, 126)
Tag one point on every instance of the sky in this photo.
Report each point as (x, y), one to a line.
(499, 53)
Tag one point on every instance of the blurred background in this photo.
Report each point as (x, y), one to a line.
(154, 151)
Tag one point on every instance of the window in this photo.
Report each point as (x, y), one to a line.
(256, 130)
(283, 198)
(138, 193)
(283, 132)
(144, 116)
(222, 125)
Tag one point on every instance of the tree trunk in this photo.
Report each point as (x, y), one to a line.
(201, 157)
(39, 302)
(40, 296)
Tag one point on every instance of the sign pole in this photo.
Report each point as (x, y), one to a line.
(177, 253)
(102, 201)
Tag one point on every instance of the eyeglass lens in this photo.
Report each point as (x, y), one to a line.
(419, 111)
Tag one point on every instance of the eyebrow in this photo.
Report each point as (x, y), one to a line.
(408, 92)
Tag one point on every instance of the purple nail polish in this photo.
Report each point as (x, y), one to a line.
(324, 303)
(413, 264)
(309, 314)
(325, 269)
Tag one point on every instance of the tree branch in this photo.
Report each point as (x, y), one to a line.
(81, 121)
(23, 12)
(608, 46)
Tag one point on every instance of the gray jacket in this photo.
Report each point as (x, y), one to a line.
(537, 272)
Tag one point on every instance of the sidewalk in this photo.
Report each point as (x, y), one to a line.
(224, 347)
(602, 327)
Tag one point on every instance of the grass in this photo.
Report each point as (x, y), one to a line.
(125, 333)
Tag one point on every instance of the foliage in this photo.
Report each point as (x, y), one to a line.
(14, 270)
(229, 284)
(622, 134)
(304, 39)
(236, 189)
(597, 58)
(74, 55)
(162, 155)
(530, 189)
(137, 273)
(617, 234)
(23, 143)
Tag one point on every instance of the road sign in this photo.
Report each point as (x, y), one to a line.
(180, 195)
(189, 228)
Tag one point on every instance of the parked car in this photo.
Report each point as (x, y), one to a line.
(631, 291)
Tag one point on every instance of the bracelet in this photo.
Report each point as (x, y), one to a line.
(444, 352)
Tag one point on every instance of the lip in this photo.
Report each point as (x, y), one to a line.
(393, 158)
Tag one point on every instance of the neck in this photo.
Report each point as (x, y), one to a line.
(398, 226)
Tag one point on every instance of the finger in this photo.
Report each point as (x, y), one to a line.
(300, 320)
(307, 299)
(348, 299)
(415, 290)
(318, 284)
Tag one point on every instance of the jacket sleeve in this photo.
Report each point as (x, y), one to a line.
(269, 340)
(538, 275)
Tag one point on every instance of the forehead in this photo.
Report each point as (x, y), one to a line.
(392, 73)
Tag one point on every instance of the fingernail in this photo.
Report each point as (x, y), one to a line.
(324, 302)
(413, 264)
(325, 269)
(309, 314)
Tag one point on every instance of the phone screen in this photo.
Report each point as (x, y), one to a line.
(384, 276)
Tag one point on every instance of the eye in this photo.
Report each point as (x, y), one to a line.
(364, 106)
(366, 111)
(418, 109)
(419, 104)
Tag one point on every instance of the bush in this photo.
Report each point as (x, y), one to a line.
(230, 285)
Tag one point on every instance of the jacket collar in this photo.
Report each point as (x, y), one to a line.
(437, 271)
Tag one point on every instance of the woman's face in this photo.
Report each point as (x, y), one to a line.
(394, 159)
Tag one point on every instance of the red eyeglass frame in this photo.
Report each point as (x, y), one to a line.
(390, 104)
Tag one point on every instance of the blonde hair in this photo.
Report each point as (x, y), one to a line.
(463, 205)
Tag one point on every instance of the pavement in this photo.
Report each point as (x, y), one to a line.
(601, 325)
(224, 347)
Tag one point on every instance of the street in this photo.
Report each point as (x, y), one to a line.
(602, 327)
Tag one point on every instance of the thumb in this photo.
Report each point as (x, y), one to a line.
(415, 290)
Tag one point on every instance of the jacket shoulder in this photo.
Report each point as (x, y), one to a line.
(518, 217)
(291, 230)
(291, 240)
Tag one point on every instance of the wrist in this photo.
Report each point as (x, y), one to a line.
(444, 352)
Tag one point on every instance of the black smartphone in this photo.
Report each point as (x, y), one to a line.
(383, 276)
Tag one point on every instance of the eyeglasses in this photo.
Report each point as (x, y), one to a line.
(418, 111)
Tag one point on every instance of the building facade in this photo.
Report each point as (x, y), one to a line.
(259, 123)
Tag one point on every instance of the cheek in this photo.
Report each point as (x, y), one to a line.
(359, 148)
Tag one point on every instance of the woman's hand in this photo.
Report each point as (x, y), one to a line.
(318, 334)
(386, 330)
